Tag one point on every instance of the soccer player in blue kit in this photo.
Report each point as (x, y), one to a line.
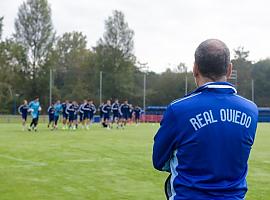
(77, 111)
(71, 115)
(106, 110)
(137, 111)
(100, 112)
(205, 138)
(65, 113)
(130, 113)
(51, 112)
(92, 111)
(116, 114)
(57, 110)
(81, 113)
(34, 108)
(23, 110)
(86, 114)
(124, 111)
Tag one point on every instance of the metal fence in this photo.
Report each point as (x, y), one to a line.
(99, 86)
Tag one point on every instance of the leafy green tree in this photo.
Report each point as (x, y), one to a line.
(1, 26)
(165, 87)
(240, 53)
(260, 74)
(181, 67)
(118, 35)
(72, 66)
(25, 62)
(34, 31)
(114, 57)
(243, 67)
(12, 59)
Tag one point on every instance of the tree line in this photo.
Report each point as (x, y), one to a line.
(35, 49)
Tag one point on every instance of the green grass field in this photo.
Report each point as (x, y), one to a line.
(98, 164)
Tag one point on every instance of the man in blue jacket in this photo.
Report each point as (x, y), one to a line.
(34, 108)
(106, 110)
(23, 110)
(205, 138)
(51, 111)
(58, 109)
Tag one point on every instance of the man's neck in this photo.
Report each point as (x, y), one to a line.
(204, 80)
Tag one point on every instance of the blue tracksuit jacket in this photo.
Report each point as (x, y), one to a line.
(204, 141)
(35, 107)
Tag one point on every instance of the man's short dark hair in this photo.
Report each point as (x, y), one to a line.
(212, 57)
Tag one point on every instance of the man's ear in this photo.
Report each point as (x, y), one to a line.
(229, 71)
(195, 70)
(196, 74)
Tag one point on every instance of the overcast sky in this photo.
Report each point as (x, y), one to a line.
(166, 32)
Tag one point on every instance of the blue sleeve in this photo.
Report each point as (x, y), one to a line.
(68, 109)
(103, 109)
(82, 108)
(20, 109)
(30, 104)
(120, 109)
(165, 141)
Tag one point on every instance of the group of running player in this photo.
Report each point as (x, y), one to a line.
(74, 114)
(34, 108)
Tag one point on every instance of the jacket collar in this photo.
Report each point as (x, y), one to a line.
(223, 87)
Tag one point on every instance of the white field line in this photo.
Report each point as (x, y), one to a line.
(82, 160)
(29, 162)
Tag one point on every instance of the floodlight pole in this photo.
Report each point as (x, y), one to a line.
(144, 90)
(252, 89)
(186, 83)
(15, 102)
(100, 87)
(50, 83)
